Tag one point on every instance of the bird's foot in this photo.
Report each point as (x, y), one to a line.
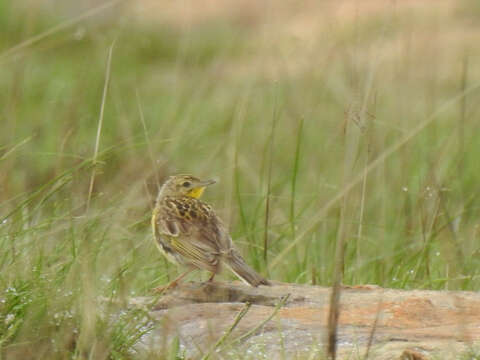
(173, 283)
(209, 281)
(162, 289)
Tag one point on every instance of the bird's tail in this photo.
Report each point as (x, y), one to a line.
(236, 263)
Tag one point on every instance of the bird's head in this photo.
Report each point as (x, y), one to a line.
(184, 185)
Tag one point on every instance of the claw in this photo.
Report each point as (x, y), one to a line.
(172, 284)
(162, 289)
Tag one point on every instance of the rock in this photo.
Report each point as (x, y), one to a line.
(399, 324)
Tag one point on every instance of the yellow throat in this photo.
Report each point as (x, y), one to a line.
(196, 192)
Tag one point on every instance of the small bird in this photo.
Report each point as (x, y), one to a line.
(188, 232)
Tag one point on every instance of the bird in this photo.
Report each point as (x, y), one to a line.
(189, 233)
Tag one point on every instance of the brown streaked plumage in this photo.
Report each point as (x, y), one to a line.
(188, 232)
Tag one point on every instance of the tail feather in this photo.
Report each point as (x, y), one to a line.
(240, 268)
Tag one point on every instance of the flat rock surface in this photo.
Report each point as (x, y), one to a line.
(399, 324)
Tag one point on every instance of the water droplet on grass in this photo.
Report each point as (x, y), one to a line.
(79, 33)
(9, 318)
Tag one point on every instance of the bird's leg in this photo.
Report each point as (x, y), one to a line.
(173, 283)
(210, 279)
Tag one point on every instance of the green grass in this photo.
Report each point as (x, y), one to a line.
(222, 98)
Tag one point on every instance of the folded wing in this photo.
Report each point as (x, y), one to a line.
(191, 240)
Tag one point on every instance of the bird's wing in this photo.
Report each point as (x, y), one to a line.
(192, 239)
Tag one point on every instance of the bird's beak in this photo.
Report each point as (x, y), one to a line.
(199, 187)
(205, 183)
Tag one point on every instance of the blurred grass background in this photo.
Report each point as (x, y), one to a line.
(285, 104)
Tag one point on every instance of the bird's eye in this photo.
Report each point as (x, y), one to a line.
(186, 184)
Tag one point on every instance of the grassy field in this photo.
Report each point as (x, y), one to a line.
(324, 125)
